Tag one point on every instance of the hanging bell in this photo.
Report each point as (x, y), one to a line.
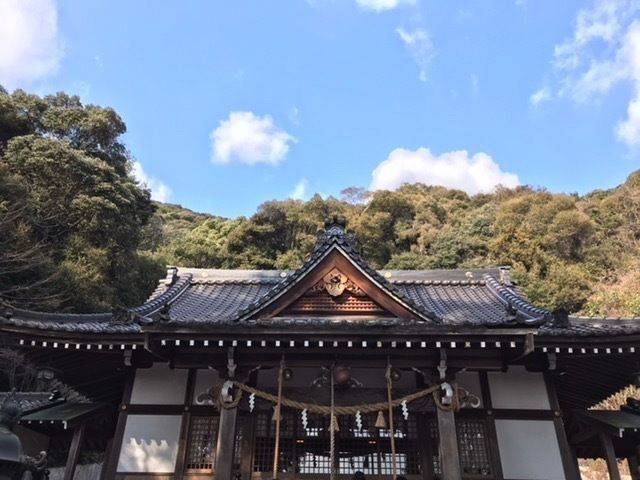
(335, 427)
(380, 421)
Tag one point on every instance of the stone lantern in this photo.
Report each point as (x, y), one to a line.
(14, 465)
(11, 466)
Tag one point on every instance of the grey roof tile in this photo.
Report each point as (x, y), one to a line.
(444, 299)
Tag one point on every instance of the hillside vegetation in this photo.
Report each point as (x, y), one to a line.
(77, 233)
(566, 251)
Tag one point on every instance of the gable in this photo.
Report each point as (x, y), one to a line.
(335, 294)
(335, 283)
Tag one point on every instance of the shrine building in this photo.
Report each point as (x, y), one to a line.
(324, 372)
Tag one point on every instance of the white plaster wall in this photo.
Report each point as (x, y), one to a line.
(518, 389)
(471, 382)
(529, 450)
(150, 444)
(159, 385)
(205, 379)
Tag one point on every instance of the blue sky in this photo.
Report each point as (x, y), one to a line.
(229, 104)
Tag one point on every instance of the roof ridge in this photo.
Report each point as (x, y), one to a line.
(168, 296)
(605, 318)
(510, 298)
(235, 281)
(438, 282)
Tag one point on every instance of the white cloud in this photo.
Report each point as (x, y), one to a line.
(299, 192)
(604, 51)
(475, 83)
(30, 47)
(540, 96)
(294, 116)
(249, 139)
(628, 130)
(159, 190)
(382, 5)
(420, 46)
(476, 174)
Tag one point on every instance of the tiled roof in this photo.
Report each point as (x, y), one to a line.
(441, 299)
(594, 327)
(454, 302)
(116, 323)
(216, 302)
(29, 401)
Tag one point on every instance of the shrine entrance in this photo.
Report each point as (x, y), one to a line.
(306, 451)
(318, 430)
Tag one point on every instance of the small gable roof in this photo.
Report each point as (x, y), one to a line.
(336, 248)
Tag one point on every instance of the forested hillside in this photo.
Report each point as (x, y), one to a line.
(78, 233)
(570, 251)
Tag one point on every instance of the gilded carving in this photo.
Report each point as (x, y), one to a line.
(335, 283)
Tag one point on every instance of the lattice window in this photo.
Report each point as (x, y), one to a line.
(203, 433)
(262, 444)
(473, 447)
(369, 450)
(306, 451)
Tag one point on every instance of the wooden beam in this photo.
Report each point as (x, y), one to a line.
(448, 445)
(226, 443)
(610, 456)
(368, 358)
(74, 452)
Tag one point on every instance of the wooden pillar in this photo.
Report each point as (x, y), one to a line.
(110, 463)
(567, 454)
(107, 456)
(610, 456)
(179, 471)
(247, 425)
(226, 430)
(448, 445)
(74, 452)
(226, 443)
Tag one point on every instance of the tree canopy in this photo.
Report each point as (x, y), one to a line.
(71, 215)
(566, 251)
(77, 232)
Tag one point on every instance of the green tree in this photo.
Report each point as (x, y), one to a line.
(66, 193)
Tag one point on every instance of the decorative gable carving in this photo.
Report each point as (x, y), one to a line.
(335, 283)
(335, 294)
